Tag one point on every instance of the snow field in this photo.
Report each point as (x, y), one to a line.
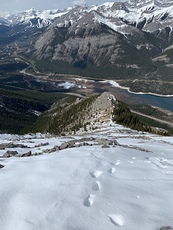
(89, 187)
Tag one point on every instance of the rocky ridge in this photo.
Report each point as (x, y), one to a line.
(88, 114)
(67, 118)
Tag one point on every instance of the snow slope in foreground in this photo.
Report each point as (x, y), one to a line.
(128, 186)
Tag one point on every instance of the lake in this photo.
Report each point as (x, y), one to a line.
(149, 99)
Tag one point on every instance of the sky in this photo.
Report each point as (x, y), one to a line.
(20, 5)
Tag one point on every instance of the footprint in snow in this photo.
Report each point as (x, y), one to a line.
(147, 162)
(96, 173)
(116, 219)
(117, 162)
(96, 185)
(111, 170)
(89, 200)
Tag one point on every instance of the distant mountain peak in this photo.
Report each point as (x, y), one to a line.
(4, 22)
(141, 3)
(34, 18)
(131, 12)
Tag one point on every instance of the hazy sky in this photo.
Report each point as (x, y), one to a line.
(20, 5)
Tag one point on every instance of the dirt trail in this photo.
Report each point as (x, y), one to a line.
(153, 118)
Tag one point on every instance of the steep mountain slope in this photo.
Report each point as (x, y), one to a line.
(113, 40)
(121, 40)
(22, 28)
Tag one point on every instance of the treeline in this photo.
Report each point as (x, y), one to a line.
(18, 108)
(122, 115)
(15, 122)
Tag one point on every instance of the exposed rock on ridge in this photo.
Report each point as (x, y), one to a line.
(84, 113)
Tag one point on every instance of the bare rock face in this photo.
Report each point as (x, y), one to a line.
(41, 144)
(12, 145)
(10, 154)
(104, 101)
(28, 154)
(86, 33)
(101, 108)
(80, 44)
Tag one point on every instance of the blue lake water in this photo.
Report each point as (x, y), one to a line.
(149, 99)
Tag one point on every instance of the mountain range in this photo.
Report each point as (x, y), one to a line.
(116, 15)
(129, 41)
(32, 17)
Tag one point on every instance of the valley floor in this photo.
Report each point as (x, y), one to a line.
(127, 185)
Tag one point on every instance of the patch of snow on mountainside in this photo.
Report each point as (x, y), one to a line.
(118, 16)
(118, 27)
(127, 185)
(3, 21)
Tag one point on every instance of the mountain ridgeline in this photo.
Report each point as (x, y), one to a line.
(61, 114)
(68, 117)
(128, 41)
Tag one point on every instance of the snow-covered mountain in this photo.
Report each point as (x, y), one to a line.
(120, 37)
(141, 3)
(116, 15)
(34, 18)
(4, 21)
(117, 40)
(149, 15)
